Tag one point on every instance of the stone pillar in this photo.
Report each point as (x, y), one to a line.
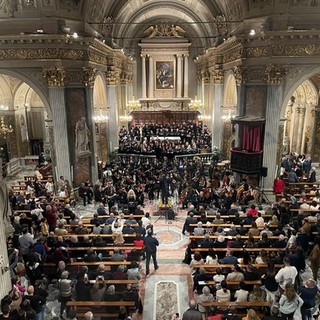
(300, 129)
(112, 80)
(217, 130)
(89, 75)
(274, 101)
(151, 78)
(56, 78)
(312, 131)
(186, 76)
(144, 76)
(179, 75)
(294, 129)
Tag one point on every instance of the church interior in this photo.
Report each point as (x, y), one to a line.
(125, 90)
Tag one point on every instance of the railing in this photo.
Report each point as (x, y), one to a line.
(204, 157)
(12, 167)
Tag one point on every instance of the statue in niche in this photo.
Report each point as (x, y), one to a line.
(82, 147)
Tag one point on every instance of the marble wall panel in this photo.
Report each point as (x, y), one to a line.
(256, 97)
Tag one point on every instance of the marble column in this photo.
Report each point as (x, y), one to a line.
(294, 129)
(91, 124)
(144, 76)
(113, 117)
(300, 130)
(217, 129)
(311, 142)
(186, 76)
(179, 75)
(274, 101)
(151, 78)
(60, 133)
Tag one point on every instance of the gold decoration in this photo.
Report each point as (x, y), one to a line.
(89, 76)
(55, 76)
(164, 30)
(221, 25)
(275, 74)
(218, 76)
(239, 74)
(205, 76)
(112, 77)
(233, 56)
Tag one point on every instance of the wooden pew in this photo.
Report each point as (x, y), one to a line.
(234, 304)
(238, 249)
(233, 237)
(228, 225)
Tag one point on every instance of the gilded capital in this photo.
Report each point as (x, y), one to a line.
(218, 76)
(275, 74)
(112, 77)
(89, 76)
(56, 77)
(239, 74)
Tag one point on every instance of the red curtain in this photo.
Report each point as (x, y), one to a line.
(251, 137)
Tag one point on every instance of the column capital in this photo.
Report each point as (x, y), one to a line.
(143, 55)
(56, 77)
(217, 75)
(112, 77)
(179, 55)
(89, 76)
(186, 55)
(275, 74)
(239, 74)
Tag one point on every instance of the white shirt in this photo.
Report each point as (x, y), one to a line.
(241, 295)
(145, 221)
(286, 275)
(260, 222)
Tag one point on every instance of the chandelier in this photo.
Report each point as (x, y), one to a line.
(228, 113)
(133, 104)
(196, 104)
(100, 117)
(4, 129)
(125, 118)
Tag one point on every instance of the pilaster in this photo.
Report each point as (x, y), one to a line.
(112, 80)
(56, 82)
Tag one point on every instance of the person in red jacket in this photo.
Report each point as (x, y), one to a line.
(278, 186)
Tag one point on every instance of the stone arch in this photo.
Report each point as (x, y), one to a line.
(300, 120)
(23, 95)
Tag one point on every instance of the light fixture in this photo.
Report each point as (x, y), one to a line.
(133, 104)
(125, 118)
(100, 117)
(196, 104)
(228, 113)
(3, 108)
(4, 129)
(252, 32)
(203, 117)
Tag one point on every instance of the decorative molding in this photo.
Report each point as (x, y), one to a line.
(233, 55)
(55, 76)
(221, 25)
(164, 30)
(275, 74)
(89, 76)
(9, 7)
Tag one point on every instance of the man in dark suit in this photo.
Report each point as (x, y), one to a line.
(189, 220)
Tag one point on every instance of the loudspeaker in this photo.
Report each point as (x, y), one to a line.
(264, 171)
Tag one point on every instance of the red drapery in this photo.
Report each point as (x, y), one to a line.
(251, 137)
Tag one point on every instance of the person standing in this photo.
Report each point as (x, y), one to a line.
(314, 258)
(150, 248)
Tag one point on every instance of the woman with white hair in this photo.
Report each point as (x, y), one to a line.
(206, 296)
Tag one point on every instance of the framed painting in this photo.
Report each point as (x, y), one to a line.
(164, 75)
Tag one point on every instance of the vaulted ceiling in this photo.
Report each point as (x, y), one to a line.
(123, 22)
